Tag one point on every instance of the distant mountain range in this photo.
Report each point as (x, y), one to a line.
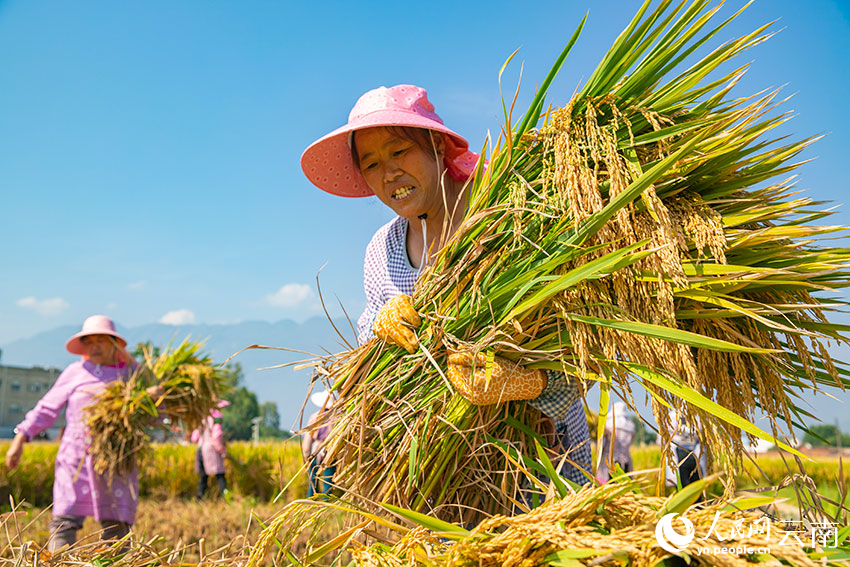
(281, 385)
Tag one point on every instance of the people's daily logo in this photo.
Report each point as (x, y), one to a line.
(671, 540)
(743, 537)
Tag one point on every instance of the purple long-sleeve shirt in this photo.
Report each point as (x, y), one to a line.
(77, 489)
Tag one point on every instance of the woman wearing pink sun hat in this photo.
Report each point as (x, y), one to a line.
(396, 147)
(78, 491)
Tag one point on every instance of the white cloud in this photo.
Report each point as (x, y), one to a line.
(290, 295)
(178, 317)
(46, 307)
(136, 286)
(111, 305)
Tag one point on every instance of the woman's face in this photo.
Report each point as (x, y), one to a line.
(404, 176)
(100, 349)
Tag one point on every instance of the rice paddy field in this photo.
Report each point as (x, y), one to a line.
(170, 520)
(258, 472)
(173, 528)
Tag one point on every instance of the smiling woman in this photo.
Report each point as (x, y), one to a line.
(101, 349)
(404, 170)
(397, 148)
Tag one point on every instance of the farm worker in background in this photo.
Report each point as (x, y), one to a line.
(77, 490)
(209, 458)
(397, 148)
(616, 443)
(688, 457)
(319, 478)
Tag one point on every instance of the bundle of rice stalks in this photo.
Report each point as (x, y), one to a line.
(645, 237)
(612, 524)
(121, 416)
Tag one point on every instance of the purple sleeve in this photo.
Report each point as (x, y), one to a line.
(47, 410)
(376, 259)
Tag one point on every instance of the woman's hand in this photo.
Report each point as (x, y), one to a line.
(508, 380)
(395, 323)
(13, 455)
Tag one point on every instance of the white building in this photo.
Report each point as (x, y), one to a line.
(20, 390)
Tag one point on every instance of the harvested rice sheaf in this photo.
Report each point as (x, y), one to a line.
(597, 526)
(645, 236)
(612, 524)
(122, 415)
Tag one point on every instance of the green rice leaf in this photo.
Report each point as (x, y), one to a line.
(668, 334)
(605, 264)
(433, 524)
(554, 477)
(684, 498)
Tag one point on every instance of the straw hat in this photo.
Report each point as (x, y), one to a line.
(94, 325)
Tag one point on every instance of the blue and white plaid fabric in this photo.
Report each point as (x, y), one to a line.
(387, 272)
(558, 397)
(575, 437)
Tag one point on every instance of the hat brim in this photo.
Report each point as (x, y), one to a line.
(319, 399)
(327, 162)
(75, 345)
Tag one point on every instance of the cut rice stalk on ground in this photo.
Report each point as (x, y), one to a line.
(612, 524)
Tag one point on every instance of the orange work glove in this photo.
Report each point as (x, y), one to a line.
(508, 380)
(394, 321)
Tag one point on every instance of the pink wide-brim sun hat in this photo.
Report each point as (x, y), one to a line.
(94, 325)
(328, 164)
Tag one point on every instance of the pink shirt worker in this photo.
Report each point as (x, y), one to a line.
(209, 458)
(77, 490)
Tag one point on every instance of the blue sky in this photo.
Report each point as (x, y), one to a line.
(149, 150)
